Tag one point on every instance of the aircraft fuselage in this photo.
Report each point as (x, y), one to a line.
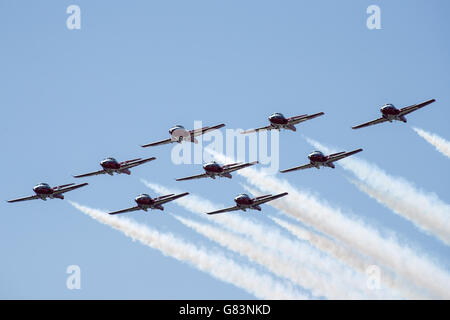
(111, 165)
(44, 191)
(214, 169)
(390, 113)
(244, 202)
(278, 121)
(178, 134)
(146, 202)
(318, 159)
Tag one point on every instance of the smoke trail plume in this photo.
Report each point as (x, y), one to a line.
(385, 249)
(293, 251)
(351, 258)
(319, 284)
(425, 210)
(220, 267)
(441, 145)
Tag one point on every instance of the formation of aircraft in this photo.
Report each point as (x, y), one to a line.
(279, 121)
(317, 159)
(179, 134)
(44, 191)
(145, 202)
(391, 113)
(111, 166)
(212, 169)
(244, 202)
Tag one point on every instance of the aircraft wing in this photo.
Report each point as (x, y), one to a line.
(199, 176)
(164, 199)
(95, 173)
(259, 201)
(24, 199)
(239, 166)
(414, 107)
(126, 210)
(63, 190)
(340, 155)
(306, 166)
(199, 132)
(269, 127)
(158, 143)
(224, 210)
(136, 163)
(370, 123)
(298, 119)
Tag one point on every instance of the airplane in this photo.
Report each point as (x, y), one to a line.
(278, 121)
(111, 166)
(213, 169)
(145, 202)
(178, 134)
(318, 159)
(390, 113)
(44, 191)
(244, 202)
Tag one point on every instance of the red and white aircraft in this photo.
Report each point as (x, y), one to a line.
(278, 121)
(145, 202)
(244, 202)
(213, 170)
(390, 113)
(44, 191)
(318, 159)
(111, 166)
(178, 134)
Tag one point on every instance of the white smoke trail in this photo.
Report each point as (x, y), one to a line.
(320, 286)
(353, 259)
(425, 210)
(293, 251)
(263, 234)
(341, 252)
(220, 267)
(350, 230)
(441, 145)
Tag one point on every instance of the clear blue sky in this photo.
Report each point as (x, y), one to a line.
(69, 98)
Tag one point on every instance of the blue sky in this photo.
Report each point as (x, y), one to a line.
(73, 97)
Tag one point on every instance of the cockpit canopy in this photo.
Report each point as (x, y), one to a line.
(175, 127)
(143, 195)
(316, 153)
(277, 115)
(242, 195)
(109, 159)
(387, 105)
(43, 185)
